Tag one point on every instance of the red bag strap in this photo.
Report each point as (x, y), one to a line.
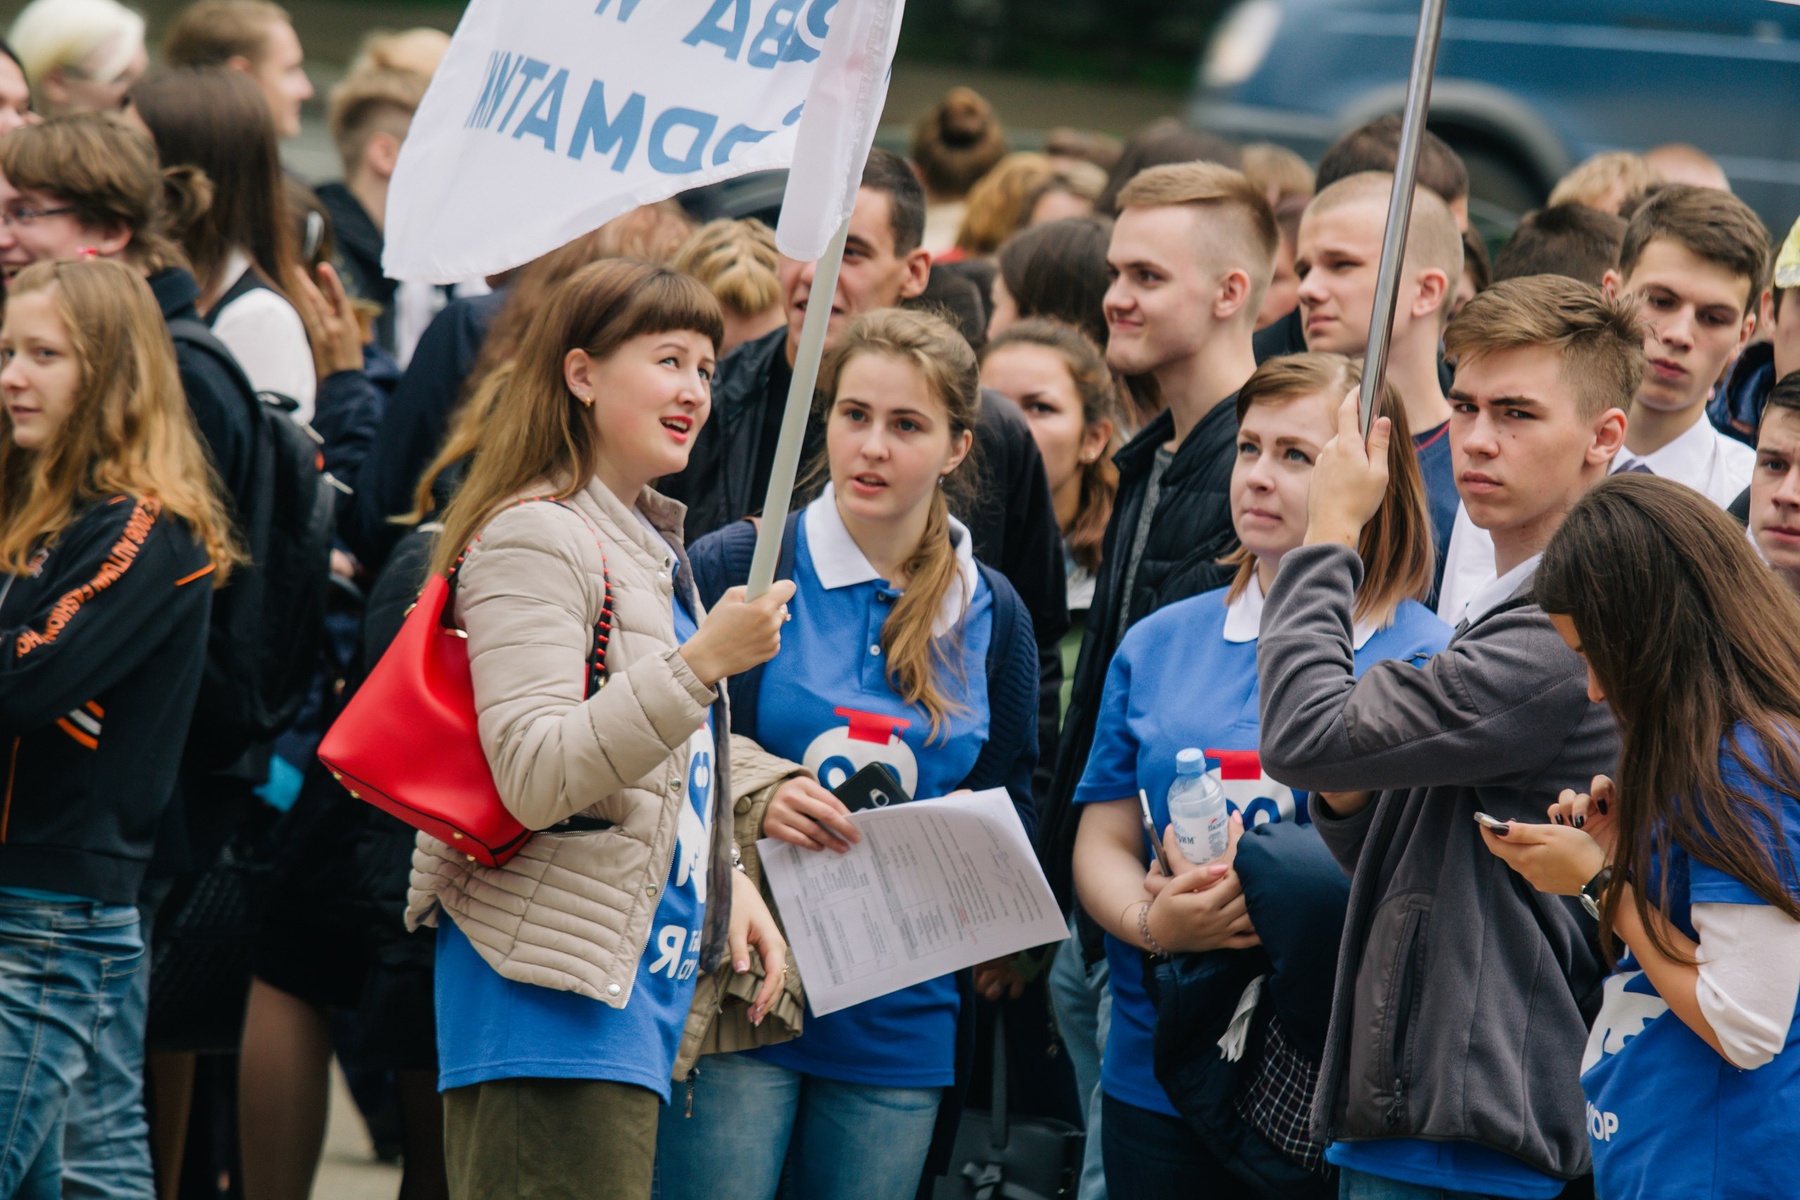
(596, 660)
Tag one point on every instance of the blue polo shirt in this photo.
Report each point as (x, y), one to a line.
(1186, 676)
(491, 1027)
(1667, 1115)
(826, 702)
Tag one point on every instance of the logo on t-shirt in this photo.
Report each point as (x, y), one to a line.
(1249, 789)
(837, 754)
(1627, 1006)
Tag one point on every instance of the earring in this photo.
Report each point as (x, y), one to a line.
(585, 398)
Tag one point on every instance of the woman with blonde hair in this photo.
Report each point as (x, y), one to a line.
(564, 978)
(904, 652)
(79, 55)
(1181, 698)
(112, 538)
(739, 264)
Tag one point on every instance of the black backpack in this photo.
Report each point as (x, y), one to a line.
(268, 623)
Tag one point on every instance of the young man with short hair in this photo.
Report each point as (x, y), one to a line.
(1737, 403)
(1338, 258)
(369, 113)
(1564, 239)
(1694, 261)
(252, 36)
(1461, 1004)
(1775, 487)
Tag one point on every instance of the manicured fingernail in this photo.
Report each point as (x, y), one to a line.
(1558, 818)
(1601, 805)
(1503, 830)
(742, 965)
(1580, 821)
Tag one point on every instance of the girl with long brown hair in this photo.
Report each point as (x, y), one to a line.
(1182, 698)
(1687, 858)
(112, 538)
(904, 652)
(560, 1009)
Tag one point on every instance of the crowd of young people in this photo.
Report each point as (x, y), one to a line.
(1501, 696)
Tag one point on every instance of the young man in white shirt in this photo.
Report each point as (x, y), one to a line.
(1695, 262)
(1338, 256)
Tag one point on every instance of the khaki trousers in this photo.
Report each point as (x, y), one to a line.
(550, 1139)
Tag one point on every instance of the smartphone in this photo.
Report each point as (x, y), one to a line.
(1488, 822)
(875, 786)
(1156, 848)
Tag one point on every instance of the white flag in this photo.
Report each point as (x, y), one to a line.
(842, 108)
(550, 117)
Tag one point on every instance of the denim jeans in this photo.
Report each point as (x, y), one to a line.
(67, 970)
(847, 1139)
(1082, 999)
(1359, 1185)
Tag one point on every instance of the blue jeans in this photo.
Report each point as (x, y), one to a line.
(846, 1139)
(1360, 1185)
(67, 969)
(1082, 999)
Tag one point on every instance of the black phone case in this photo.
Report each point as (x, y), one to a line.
(872, 787)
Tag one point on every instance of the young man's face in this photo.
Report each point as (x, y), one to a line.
(1522, 451)
(281, 74)
(1337, 257)
(1696, 316)
(1782, 324)
(1160, 305)
(873, 275)
(1775, 491)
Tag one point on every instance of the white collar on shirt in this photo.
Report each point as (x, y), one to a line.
(1703, 458)
(839, 562)
(1498, 590)
(1243, 618)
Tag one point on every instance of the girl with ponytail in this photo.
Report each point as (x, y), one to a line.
(902, 651)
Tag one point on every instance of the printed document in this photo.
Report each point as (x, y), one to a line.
(933, 887)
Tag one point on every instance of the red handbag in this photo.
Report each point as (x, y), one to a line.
(407, 740)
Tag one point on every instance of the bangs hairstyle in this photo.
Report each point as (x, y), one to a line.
(129, 430)
(107, 171)
(916, 660)
(1695, 643)
(1395, 546)
(1599, 340)
(1714, 226)
(1098, 391)
(1231, 200)
(530, 428)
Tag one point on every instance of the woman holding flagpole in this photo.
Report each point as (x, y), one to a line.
(564, 978)
(902, 651)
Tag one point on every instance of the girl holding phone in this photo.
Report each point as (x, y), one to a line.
(902, 650)
(1186, 677)
(1692, 1071)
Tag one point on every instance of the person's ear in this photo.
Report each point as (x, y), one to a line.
(960, 444)
(1612, 283)
(1233, 294)
(1608, 439)
(1433, 292)
(917, 265)
(381, 155)
(1094, 440)
(1765, 310)
(578, 375)
(110, 242)
(1745, 331)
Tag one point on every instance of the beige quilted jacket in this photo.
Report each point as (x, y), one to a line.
(572, 911)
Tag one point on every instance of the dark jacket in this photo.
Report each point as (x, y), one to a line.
(1286, 336)
(1189, 533)
(1736, 405)
(1012, 518)
(214, 397)
(359, 246)
(1463, 996)
(101, 648)
(414, 425)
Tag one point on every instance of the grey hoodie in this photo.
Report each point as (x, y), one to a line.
(1463, 996)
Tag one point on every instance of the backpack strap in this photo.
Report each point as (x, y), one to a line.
(596, 659)
(250, 281)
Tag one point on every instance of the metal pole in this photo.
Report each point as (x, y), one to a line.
(793, 418)
(1406, 172)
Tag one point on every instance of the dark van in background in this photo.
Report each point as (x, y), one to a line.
(1525, 88)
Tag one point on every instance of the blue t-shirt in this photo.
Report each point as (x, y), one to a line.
(1179, 679)
(826, 702)
(1667, 1115)
(491, 1027)
(1453, 1166)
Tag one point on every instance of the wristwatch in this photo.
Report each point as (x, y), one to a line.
(1593, 889)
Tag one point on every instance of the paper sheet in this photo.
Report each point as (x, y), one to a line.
(933, 887)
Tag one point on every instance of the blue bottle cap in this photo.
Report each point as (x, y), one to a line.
(1190, 762)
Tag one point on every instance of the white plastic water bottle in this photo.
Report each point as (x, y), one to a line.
(1198, 810)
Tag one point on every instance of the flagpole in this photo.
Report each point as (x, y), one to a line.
(1406, 172)
(793, 419)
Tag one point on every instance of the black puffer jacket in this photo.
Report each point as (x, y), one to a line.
(1190, 532)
